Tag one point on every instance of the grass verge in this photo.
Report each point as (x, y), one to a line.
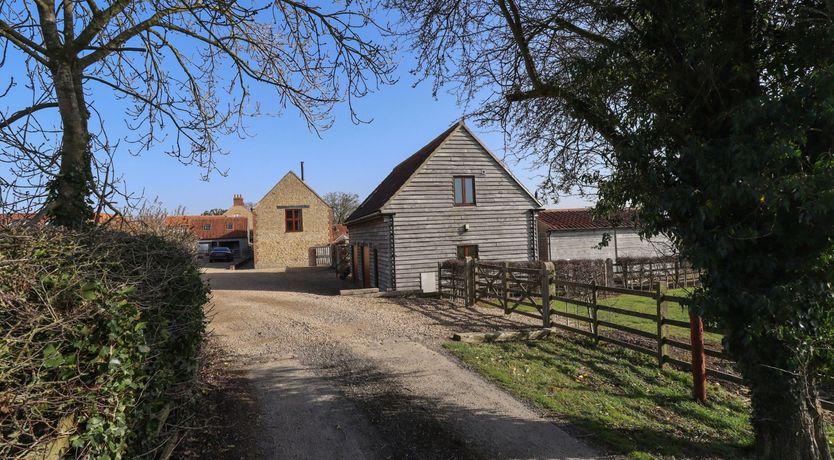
(620, 397)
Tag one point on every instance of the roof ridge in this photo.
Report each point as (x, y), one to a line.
(399, 175)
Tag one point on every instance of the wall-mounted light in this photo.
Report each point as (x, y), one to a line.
(465, 227)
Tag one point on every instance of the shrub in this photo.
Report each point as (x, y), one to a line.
(99, 335)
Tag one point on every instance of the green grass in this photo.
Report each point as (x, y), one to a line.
(642, 305)
(632, 303)
(620, 397)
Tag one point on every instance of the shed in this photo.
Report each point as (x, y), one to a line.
(578, 234)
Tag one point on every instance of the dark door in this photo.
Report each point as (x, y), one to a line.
(366, 266)
(354, 260)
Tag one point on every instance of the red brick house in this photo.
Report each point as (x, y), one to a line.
(213, 231)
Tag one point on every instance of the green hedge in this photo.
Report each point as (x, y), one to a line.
(99, 337)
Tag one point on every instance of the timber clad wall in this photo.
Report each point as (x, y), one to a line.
(428, 227)
(274, 247)
(376, 234)
(543, 241)
(581, 244)
(629, 244)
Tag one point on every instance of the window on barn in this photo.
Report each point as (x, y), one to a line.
(464, 190)
(293, 219)
(470, 250)
(230, 226)
(206, 227)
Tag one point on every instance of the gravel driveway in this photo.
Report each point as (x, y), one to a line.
(330, 376)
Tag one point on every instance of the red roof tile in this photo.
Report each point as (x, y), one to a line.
(217, 226)
(338, 231)
(581, 219)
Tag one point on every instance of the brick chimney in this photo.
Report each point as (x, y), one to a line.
(238, 200)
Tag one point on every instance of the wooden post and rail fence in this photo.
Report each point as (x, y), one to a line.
(532, 292)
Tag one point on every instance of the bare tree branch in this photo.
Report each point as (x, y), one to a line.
(26, 112)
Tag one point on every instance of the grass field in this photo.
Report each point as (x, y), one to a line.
(638, 304)
(619, 397)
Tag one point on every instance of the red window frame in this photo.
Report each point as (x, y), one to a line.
(466, 200)
(294, 220)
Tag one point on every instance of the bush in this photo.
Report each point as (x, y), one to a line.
(100, 334)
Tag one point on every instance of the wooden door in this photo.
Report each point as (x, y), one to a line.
(366, 266)
(354, 260)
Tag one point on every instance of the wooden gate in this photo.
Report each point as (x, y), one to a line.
(508, 287)
(321, 256)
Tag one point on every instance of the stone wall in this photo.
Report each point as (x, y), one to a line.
(274, 247)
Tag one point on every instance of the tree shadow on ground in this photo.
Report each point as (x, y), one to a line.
(464, 319)
(309, 280)
(406, 425)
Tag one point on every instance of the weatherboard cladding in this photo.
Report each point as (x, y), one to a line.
(576, 234)
(398, 176)
(375, 233)
(428, 227)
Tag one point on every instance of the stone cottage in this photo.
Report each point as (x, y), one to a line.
(289, 222)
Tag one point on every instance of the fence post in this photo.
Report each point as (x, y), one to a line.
(469, 282)
(609, 272)
(662, 327)
(594, 312)
(440, 279)
(545, 292)
(505, 286)
(624, 267)
(699, 363)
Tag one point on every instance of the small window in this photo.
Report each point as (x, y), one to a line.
(470, 250)
(293, 218)
(464, 190)
(206, 227)
(230, 226)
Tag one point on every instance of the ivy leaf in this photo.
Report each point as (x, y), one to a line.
(52, 357)
(89, 291)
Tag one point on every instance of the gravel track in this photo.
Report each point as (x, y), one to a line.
(356, 377)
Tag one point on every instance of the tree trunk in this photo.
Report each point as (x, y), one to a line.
(69, 191)
(787, 416)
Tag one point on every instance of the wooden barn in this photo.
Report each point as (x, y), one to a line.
(452, 198)
(569, 234)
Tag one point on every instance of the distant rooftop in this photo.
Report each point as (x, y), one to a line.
(581, 219)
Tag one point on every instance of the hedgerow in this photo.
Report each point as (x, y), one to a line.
(99, 337)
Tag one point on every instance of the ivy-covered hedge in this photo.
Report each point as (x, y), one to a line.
(99, 337)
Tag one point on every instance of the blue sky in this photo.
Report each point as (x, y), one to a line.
(347, 157)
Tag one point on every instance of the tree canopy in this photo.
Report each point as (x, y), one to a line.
(183, 72)
(343, 204)
(715, 120)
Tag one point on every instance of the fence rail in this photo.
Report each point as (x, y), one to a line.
(532, 293)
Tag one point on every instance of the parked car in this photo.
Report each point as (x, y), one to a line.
(221, 255)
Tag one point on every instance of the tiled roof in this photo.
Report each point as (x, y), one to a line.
(398, 176)
(338, 231)
(217, 226)
(581, 219)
